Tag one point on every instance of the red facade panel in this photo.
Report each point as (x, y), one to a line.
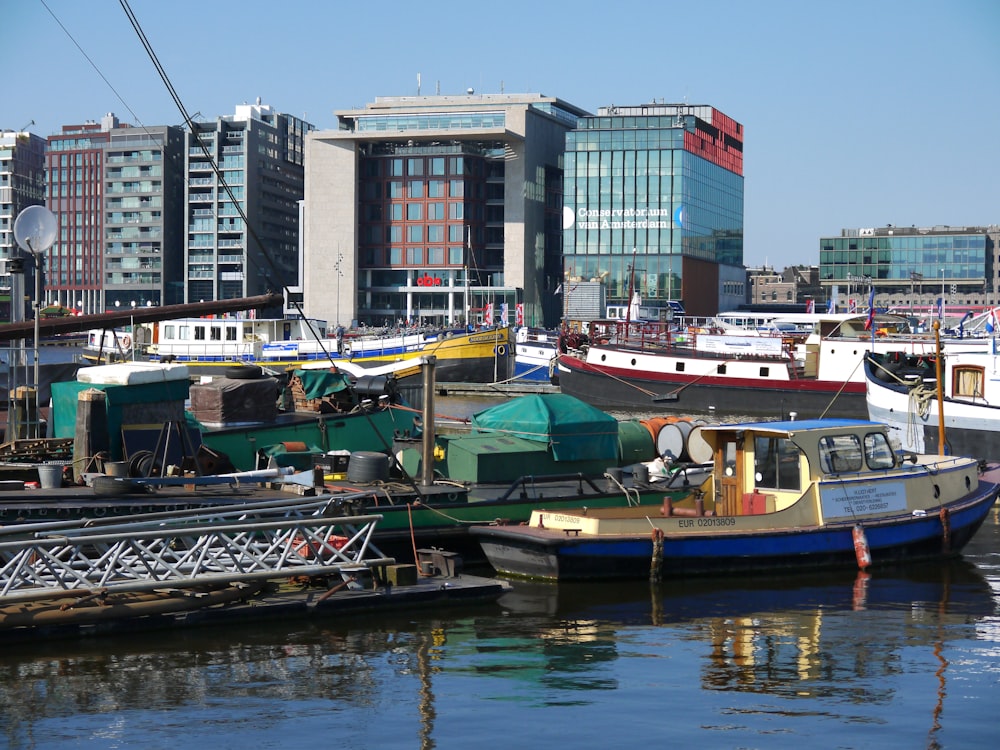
(724, 148)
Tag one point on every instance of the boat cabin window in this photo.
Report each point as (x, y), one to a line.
(199, 333)
(878, 452)
(839, 454)
(776, 463)
(967, 381)
(215, 333)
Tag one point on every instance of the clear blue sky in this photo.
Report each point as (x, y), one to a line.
(857, 113)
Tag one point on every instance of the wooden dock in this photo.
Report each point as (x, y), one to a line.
(278, 600)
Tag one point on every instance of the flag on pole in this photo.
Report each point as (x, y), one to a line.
(810, 306)
(503, 314)
(991, 321)
(519, 314)
(832, 307)
(871, 308)
(488, 315)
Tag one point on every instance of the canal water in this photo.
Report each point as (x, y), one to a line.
(902, 658)
(905, 658)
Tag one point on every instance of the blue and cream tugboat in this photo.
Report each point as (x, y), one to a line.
(781, 496)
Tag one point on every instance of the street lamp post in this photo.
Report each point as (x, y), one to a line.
(35, 231)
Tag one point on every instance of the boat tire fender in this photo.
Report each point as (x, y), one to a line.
(244, 372)
(116, 486)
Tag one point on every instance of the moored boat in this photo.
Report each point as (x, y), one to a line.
(782, 496)
(540, 450)
(815, 373)
(238, 417)
(534, 355)
(911, 394)
(210, 345)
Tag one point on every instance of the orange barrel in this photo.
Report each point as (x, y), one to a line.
(655, 424)
(672, 440)
(698, 449)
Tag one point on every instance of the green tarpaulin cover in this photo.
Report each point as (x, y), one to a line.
(574, 430)
(320, 383)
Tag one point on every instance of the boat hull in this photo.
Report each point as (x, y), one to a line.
(971, 428)
(324, 432)
(648, 390)
(531, 552)
(534, 355)
(478, 357)
(444, 516)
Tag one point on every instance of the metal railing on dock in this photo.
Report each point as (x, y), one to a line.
(155, 551)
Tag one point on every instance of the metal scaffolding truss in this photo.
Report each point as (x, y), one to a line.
(182, 550)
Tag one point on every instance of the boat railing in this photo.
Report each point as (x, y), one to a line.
(220, 351)
(664, 337)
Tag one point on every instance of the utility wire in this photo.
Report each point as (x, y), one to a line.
(92, 63)
(215, 167)
(190, 125)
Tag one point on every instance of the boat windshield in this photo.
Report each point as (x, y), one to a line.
(878, 452)
(776, 463)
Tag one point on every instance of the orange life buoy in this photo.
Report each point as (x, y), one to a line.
(126, 341)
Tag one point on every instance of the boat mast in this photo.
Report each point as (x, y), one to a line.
(631, 291)
(939, 372)
(465, 257)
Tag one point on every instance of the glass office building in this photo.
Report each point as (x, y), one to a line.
(663, 184)
(911, 266)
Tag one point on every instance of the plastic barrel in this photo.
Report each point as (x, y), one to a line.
(634, 442)
(698, 449)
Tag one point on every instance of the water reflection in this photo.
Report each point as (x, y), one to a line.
(789, 635)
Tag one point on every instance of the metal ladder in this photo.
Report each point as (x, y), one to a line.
(181, 549)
